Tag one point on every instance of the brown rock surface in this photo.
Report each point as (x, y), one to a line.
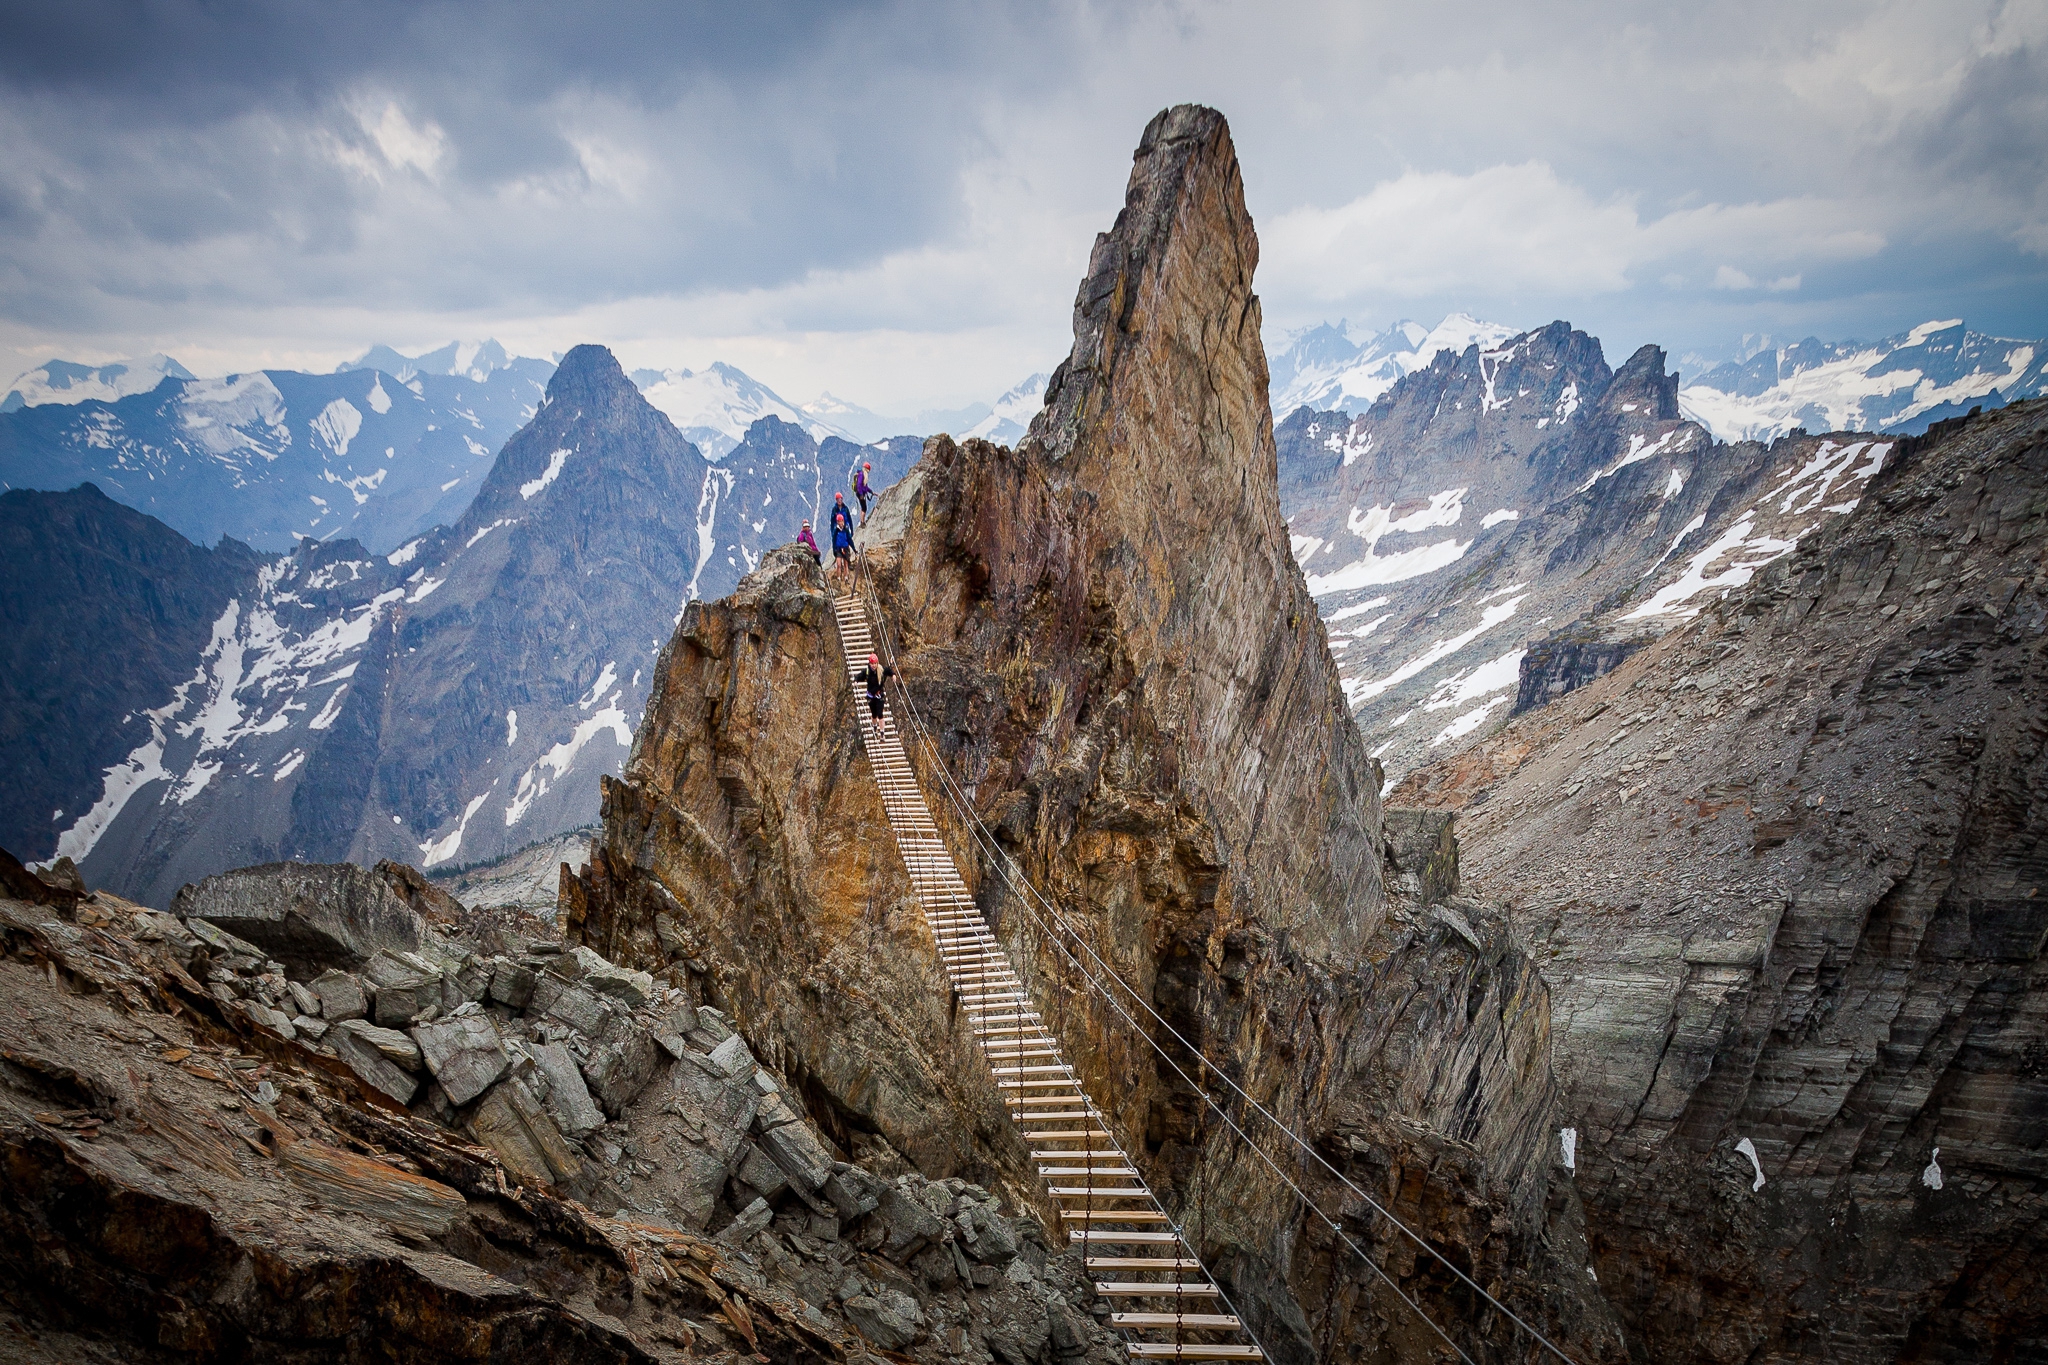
(1120, 667)
(1785, 873)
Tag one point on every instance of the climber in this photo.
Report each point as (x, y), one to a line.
(842, 533)
(809, 542)
(872, 677)
(862, 489)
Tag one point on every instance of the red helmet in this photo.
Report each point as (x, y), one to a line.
(872, 661)
(866, 465)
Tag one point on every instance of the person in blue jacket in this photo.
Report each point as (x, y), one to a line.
(842, 533)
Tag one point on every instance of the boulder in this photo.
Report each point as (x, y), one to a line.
(752, 1219)
(303, 999)
(581, 1008)
(908, 1226)
(888, 1318)
(463, 1052)
(799, 1154)
(568, 1099)
(774, 1110)
(154, 926)
(853, 1191)
(238, 951)
(512, 985)
(309, 916)
(512, 1123)
(406, 986)
(630, 988)
(733, 1058)
(674, 1026)
(364, 1058)
(618, 1070)
(761, 1173)
(395, 1046)
(465, 982)
(277, 1021)
(985, 1235)
(309, 1028)
(341, 996)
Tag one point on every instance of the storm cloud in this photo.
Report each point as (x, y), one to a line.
(894, 200)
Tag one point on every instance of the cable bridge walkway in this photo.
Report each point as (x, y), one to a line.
(1171, 1308)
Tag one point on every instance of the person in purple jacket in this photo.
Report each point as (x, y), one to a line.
(809, 542)
(863, 490)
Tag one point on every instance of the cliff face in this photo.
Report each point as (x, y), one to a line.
(1783, 869)
(1120, 666)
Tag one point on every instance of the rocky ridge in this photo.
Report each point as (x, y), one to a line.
(207, 1154)
(1151, 726)
(1782, 870)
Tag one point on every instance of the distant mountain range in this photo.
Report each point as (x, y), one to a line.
(170, 710)
(376, 454)
(1901, 384)
(1904, 383)
(1515, 518)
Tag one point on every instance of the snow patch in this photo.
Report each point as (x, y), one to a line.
(604, 682)
(379, 401)
(1746, 554)
(441, 850)
(404, 553)
(338, 424)
(1748, 1149)
(1493, 519)
(511, 727)
(549, 767)
(1568, 1140)
(1361, 690)
(1375, 524)
(1931, 1175)
(1358, 609)
(555, 463)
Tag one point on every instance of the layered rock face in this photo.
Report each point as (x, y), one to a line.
(1784, 872)
(1119, 667)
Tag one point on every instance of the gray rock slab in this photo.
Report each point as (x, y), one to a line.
(464, 1054)
(364, 1058)
(341, 996)
(568, 1099)
(303, 998)
(732, 1057)
(799, 1154)
(888, 1318)
(761, 1173)
(618, 1070)
(404, 988)
(512, 985)
(672, 1029)
(581, 1008)
(752, 1219)
(910, 1226)
(309, 916)
(512, 1123)
(395, 1046)
(633, 989)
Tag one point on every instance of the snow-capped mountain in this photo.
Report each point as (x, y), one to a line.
(1333, 369)
(451, 700)
(276, 455)
(1490, 504)
(65, 381)
(1901, 384)
(473, 360)
(714, 406)
(1011, 416)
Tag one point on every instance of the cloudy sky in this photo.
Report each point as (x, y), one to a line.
(894, 201)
